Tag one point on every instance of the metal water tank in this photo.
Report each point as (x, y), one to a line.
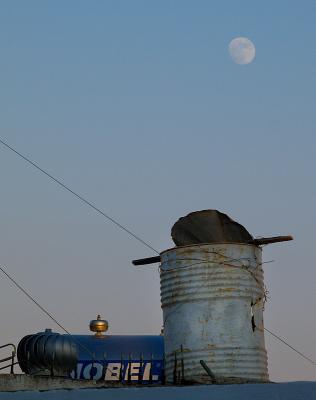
(212, 299)
(113, 358)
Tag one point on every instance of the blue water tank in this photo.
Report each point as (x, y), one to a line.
(138, 359)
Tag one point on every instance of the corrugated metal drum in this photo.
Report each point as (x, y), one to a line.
(212, 298)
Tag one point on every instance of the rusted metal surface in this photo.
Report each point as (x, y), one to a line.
(212, 299)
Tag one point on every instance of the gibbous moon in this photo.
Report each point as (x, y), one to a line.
(242, 50)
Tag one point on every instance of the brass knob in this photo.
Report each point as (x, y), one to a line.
(99, 326)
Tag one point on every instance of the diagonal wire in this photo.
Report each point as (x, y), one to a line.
(44, 310)
(15, 283)
(65, 330)
(32, 299)
(291, 347)
(81, 198)
(115, 222)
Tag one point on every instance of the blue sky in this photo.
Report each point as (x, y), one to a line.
(138, 106)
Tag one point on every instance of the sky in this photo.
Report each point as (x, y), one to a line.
(139, 107)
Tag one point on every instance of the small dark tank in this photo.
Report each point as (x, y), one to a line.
(47, 353)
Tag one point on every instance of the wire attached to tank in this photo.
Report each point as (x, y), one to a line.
(119, 225)
(81, 198)
(44, 310)
(291, 347)
(246, 268)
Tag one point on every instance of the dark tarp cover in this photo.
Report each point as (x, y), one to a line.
(208, 226)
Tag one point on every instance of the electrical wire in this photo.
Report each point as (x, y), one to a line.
(32, 299)
(291, 347)
(81, 198)
(115, 222)
(88, 203)
(65, 330)
(43, 309)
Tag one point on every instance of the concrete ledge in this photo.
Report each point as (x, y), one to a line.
(23, 387)
(21, 382)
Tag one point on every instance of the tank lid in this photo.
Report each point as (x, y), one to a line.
(99, 326)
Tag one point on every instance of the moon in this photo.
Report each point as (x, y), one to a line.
(242, 50)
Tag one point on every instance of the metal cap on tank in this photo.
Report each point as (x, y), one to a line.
(99, 326)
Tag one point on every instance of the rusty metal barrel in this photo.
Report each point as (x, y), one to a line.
(212, 298)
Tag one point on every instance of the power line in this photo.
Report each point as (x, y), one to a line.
(291, 347)
(115, 222)
(81, 198)
(43, 309)
(32, 299)
(65, 330)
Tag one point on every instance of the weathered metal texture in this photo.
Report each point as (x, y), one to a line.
(212, 299)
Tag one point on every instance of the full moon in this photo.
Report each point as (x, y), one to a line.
(242, 50)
